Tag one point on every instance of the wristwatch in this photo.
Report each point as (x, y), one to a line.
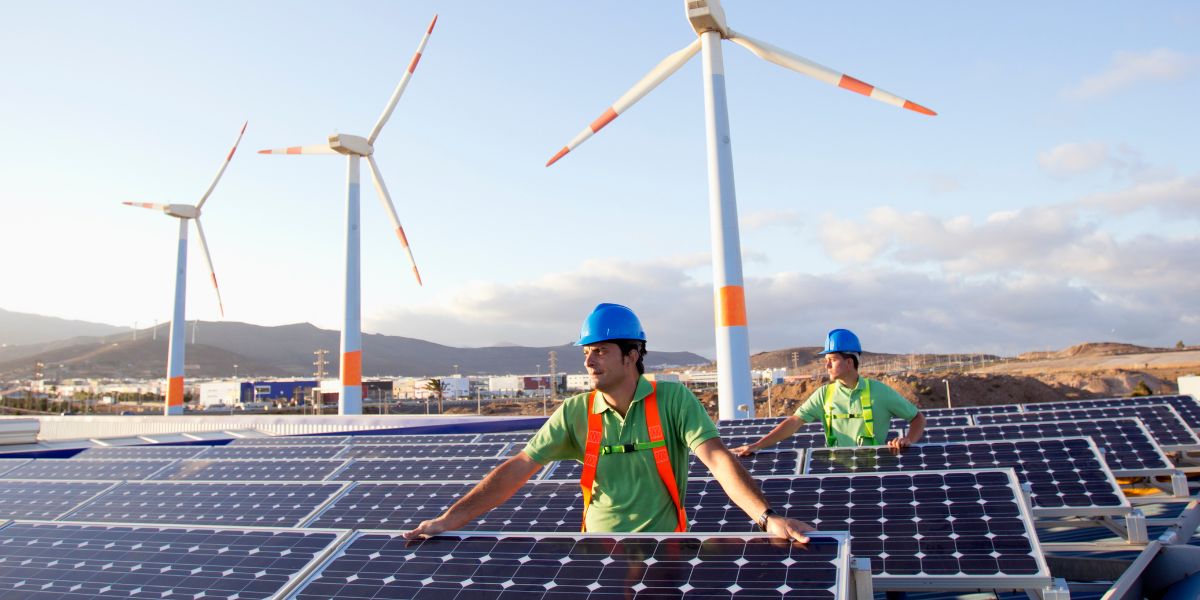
(766, 516)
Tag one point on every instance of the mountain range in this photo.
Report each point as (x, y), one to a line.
(76, 349)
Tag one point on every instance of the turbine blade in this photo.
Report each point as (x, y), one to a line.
(208, 259)
(386, 199)
(412, 67)
(221, 172)
(313, 149)
(149, 205)
(657, 75)
(804, 66)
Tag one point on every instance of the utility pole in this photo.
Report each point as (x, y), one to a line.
(795, 363)
(39, 376)
(553, 380)
(320, 375)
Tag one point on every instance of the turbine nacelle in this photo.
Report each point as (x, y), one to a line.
(706, 15)
(347, 144)
(183, 211)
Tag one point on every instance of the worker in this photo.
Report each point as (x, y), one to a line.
(855, 411)
(633, 438)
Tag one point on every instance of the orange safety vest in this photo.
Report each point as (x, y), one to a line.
(662, 460)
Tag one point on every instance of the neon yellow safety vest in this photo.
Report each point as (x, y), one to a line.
(867, 415)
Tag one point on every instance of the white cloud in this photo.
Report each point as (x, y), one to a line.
(772, 218)
(1070, 159)
(1130, 68)
(1177, 198)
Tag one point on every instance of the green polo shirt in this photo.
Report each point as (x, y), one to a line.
(628, 494)
(886, 404)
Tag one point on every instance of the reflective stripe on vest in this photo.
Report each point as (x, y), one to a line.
(662, 460)
(867, 415)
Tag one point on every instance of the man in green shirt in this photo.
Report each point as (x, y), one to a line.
(630, 492)
(855, 411)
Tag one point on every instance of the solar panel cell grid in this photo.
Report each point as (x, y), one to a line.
(796, 442)
(556, 566)
(269, 452)
(423, 450)
(299, 440)
(431, 438)
(972, 410)
(54, 560)
(445, 469)
(249, 470)
(227, 504)
(140, 453)
(44, 500)
(1066, 475)
(515, 436)
(947, 421)
(87, 470)
(1186, 406)
(1167, 427)
(783, 462)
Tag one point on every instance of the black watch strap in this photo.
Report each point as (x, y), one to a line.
(766, 516)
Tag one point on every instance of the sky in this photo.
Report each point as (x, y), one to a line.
(1054, 199)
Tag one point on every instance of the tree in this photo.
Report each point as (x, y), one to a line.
(1141, 389)
(1180, 345)
(438, 387)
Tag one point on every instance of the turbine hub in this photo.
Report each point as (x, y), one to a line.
(343, 143)
(706, 15)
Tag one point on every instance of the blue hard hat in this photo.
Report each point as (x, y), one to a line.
(610, 322)
(842, 340)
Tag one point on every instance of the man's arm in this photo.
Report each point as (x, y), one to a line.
(916, 429)
(498, 486)
(784, 430)
(744, 491)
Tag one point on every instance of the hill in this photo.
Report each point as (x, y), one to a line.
(18, 328)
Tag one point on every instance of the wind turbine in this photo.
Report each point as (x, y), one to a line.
(185, 213)
(707, 18)
(355, 148)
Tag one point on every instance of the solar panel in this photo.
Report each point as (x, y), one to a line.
(140, 453)
(794, 442)
(8, 464)
(417, 469)
(972, 410)
(45, 500)
(946, 421)
(1186, 406)
(87, 470)
(772, 421)
(423, 450)
(207, 503)
(782, 462)
(1129, 450)
(269, 452)
(56, 560)
(515, 436)
(427, 438)
(249, 470)
(1167, 427)
(1067, 476)
(548, 565)
(294, 440)
(943, 529)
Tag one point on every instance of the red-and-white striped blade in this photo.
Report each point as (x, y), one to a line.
(313, 149)
(221, 171)
(386, 199)
(657, 75)
(804, 66)
(412, 67)
(208, 260)
(149, 205)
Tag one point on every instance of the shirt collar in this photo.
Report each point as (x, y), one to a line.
(861, 382)
(639, 394)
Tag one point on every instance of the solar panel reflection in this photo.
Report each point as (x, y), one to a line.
(423, 450)
(86, 470)
(1163, 422)
(54, 560)
(140, 453)
(205, 503)
(378, 565)
(45, 500)
(416, 469)
(249, 470)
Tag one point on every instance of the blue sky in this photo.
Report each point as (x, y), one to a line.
(1054, 200)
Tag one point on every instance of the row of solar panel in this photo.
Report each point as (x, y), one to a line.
(298, 450)
(911, 524)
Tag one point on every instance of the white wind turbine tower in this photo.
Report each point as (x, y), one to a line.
(185, 213)
(355, 148)
(707, 18)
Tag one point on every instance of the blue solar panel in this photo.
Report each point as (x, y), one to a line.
(55, 560)
(948, 421)
(1186, 406)
(207, 503)
(799, 441)
(468, 450)
(417, 469)
(1167, 427)
(8, 464)
(972, 410)
(599, 567)
(427, 438)
(783, 462)
(1129, 450)
(298, 440)
(87, 470)
(45, 500)
(249, 470)
(140, 453)
(1067, 475)
(520, 437)
(269, 452)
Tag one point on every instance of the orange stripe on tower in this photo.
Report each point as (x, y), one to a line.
(352, 368)
(855, 85)
(913, 106)
(731, 306)
(175, 391)
(604, 119)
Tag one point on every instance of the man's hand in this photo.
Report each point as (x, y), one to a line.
(746, 450)
(426, 529)
(788, 529)
(899, 443)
